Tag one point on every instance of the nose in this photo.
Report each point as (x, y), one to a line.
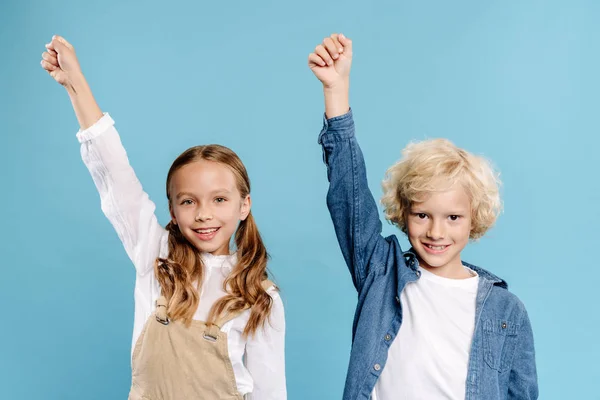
(436, 230)
(204, 214)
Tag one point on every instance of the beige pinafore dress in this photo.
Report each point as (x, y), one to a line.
(174, 362)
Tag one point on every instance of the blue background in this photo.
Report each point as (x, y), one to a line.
(517, 81)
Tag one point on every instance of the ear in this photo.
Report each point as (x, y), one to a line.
(245, 209)
(173, 219)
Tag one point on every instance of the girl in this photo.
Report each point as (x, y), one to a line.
(208, 322)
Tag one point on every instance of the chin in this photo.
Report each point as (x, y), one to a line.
(203, 247)
(433, 261)
(208, 248)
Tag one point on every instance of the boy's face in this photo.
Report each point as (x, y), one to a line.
(438, 229)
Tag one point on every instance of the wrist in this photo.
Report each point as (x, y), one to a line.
(336, 101)
(338, 87)
(76, 84)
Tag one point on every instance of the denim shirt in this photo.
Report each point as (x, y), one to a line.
(502, 358)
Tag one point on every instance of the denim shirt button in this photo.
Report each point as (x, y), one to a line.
(388, 337)
(418, 274)
(376, 367)
(398, 299)
(503, 325)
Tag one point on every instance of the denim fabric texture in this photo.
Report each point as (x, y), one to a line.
(502, 359)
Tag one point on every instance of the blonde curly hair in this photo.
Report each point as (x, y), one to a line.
(436, 165)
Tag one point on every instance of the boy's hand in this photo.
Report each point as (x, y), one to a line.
(60, 61)
(331, 61)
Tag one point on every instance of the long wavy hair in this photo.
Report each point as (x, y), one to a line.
(183, 267)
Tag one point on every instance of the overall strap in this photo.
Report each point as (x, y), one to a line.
(212, 332)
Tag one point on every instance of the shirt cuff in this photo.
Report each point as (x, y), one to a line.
(341, 126)
(95, 130)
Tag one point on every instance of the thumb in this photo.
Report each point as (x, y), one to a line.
(64, 41)
(60, 44)
(347, 43)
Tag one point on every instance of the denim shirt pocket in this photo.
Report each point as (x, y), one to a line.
(499, 343)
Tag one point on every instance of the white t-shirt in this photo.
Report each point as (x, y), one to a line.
(429, 357)
(258, 361)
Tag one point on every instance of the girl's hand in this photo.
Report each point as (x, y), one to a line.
(60, 61)
(331, 61)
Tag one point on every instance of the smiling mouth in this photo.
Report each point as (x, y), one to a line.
(435, 248)
(438, 247)
(205, 231)
(206, 234)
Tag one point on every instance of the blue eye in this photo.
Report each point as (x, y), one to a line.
(220, 199)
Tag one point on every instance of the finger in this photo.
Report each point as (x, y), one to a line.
(335, 38)
(56, 76)
(51, 50)
(315, 60)
(58, 45)
(47, 66)
(63, 41)
(324, 54)
(50, 58)
(347, 43)
(331, 48)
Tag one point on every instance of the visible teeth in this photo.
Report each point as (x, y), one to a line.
(206, 230)
(436, 247)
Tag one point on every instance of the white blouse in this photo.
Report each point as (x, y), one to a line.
(258, 361)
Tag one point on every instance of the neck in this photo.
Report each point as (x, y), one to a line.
(452, 270)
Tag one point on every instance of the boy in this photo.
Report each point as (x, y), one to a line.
(427, 325)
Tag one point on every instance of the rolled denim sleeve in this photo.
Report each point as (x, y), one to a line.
(351, 205)
(523, 383)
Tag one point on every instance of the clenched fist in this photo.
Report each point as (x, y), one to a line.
(331, 61)
(60, 61)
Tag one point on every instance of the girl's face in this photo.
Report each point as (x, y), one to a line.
(438, 229)
(206, 205)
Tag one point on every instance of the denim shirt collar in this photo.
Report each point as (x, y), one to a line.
(413, 263)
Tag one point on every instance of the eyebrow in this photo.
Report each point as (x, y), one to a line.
(454, 212)
(218, 191)
(182, 194)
